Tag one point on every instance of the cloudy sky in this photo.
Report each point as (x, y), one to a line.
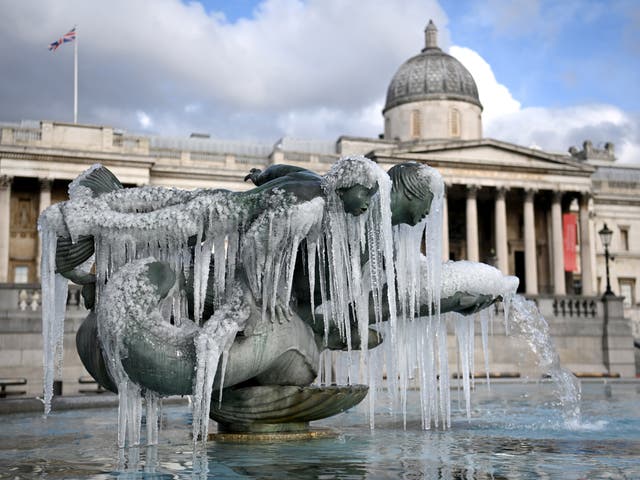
(550, 74)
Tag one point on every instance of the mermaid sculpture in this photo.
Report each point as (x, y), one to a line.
(232, 297)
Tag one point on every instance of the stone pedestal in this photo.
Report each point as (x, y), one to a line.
(617, 340)
(277, 409)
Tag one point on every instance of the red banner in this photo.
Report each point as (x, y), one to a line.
(570, 235)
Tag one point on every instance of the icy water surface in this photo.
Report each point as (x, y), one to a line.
(516, 432)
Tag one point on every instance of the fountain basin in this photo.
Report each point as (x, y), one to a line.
(515, 431)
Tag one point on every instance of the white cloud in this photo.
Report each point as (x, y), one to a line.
(554, 129)
(292, 56)
(144, 120)
(557, 129)
(495, 97)
(325, 122)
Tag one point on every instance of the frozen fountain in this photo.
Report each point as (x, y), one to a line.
(244, 300)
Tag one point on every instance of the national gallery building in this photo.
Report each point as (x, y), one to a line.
(530, 213)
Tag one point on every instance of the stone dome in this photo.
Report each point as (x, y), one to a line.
(431, 75)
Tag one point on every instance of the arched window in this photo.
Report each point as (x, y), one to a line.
(416, 126)
(454, 122)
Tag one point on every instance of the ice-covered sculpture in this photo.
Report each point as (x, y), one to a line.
(232, 297)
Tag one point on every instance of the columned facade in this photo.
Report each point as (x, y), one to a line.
(559, 287)
(530, 256)
(473, 252)
(586, 249)
(501, 240)
(486, 217)
(445, 228)
(504, 225)
(5, 223)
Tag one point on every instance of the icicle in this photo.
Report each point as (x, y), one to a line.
(134, 414)
(151, 401)
(233, 240)
(54, 299)
(312, 248)
(213, 340)
(207, 355)
(198, 293)
(223, 371)
(444, 375)
(129, 413)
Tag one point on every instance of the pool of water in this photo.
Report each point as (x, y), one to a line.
(516, 431)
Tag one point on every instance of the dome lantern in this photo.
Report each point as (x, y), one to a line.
(430, 36)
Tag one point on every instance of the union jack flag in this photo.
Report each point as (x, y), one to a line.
(70, 36)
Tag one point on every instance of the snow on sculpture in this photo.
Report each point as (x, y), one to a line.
(232, 296)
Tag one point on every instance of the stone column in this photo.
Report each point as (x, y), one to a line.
(530, 256)
(5, 223)
(472, 224)
(445, 228)
(45, 200)
(586, 250)
(502, 249)
(559, 287)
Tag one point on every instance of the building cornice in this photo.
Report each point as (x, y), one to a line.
(433, 147)
(75, 156)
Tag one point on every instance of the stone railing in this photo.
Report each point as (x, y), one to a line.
(128, 142)
(19, 135)
(172, 150)
(15, 297)
(569, 306)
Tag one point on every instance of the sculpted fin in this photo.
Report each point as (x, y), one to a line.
(99, 179)
(69, 255)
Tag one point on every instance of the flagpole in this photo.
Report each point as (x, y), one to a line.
(75, 79)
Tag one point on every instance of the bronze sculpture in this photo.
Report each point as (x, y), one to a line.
(268, 278)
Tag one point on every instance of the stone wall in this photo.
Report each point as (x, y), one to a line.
(21, 339)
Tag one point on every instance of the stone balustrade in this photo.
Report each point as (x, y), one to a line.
(19, 298)
(569, 306)
(105, 139)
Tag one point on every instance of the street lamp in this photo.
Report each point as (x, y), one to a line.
(605, 237)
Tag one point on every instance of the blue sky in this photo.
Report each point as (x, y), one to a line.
(553, 53)
(550, 73)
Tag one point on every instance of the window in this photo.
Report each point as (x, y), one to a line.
(21, 274)
(624, 239)
(454, 122)
(416, 126)
(627, 290)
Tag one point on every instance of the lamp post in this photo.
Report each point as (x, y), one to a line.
(605, 237)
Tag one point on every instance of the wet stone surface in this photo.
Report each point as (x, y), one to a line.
(515, 431)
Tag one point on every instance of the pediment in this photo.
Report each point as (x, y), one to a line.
(486, 154)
